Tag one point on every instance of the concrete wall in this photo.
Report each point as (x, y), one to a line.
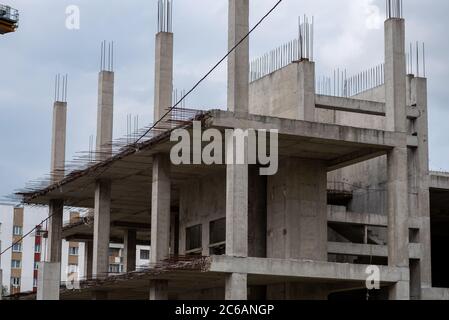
(201, 201)
(297, 211)
(278, 95)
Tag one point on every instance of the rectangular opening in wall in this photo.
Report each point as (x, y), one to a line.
(144, 254)
(217, 237)
(193, 240)
(413, 235)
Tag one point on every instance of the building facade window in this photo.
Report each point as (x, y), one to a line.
(217, 237)
(15, 282)
(73, 251)
(37, 248)
(114, 268)
(144, 254)
(194, 240)
(16, 264)
(17, 247)
(17, 230)
(72, 268)
(36, 266)
(34, 282)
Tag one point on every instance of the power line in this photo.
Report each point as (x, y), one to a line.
(210, 71)
(171, 109)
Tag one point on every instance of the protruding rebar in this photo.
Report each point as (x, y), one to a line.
(165, 16)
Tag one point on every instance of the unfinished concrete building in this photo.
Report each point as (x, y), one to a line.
(353, 188)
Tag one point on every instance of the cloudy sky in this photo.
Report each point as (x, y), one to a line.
(349, 35)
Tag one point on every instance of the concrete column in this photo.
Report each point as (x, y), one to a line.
(58, 140)
(55, 223)
(48, 282)
(102, 220)
(395, 74)
(236, 203)
(238, 60)
(88, 259)
(419, 98)
(105, 114)
(398, 220)
(306, 90)
(160, 208)
(130, 240)
(163, 82)
(236, 287)
(159, 290)
(160, 221)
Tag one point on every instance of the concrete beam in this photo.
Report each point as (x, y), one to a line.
(238, 60)
(302, 269)
(350, 105)
(439, 181)
(302, 129)
(365, 219)
(367, 250)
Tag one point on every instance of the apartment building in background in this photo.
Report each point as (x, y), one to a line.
(20, 263)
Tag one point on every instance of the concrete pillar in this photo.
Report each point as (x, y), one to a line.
(105, 114)
(58, 140)
(160, 208)
(306, 90)
(159, 290)
(236, 204)
(88, 259)
(48, 282)
(102, 220)
(160, 220)
(297, 210)
(398, 220)
(130, 240)
(236, 286)
(238, 60)
(163, 82)
(55, 223)
(419, 98)
(48, 290)
(395, 74)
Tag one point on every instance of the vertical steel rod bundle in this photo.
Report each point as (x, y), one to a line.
(394, 9)
(164, 16)
(294, 50)
(107, 56)
(61, 88)
(416, 59)
(340, 85)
